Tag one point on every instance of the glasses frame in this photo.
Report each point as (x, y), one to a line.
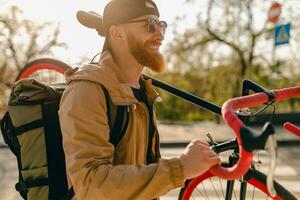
(153, 25)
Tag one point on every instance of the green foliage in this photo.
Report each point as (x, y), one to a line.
(230, 42)
(174, 108)
(216, 86)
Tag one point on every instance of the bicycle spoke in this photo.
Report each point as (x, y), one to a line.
(214, 188)
(234, 194)
(204, 190)
(221, 186)
(200, 194)
(49, 71)
(253, 191)
(47, 76)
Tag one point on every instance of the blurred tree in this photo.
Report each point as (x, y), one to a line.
(22, 40)
(231, 40)
(174, 108)
(232, 31)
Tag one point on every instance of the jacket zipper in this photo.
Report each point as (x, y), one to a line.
(147, 131)
(157, 145)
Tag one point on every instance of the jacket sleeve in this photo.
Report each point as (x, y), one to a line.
(89, 155)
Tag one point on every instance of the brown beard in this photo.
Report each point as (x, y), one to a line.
(153, 60)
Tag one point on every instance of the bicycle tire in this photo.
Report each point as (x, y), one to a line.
(49, 64)
(252, 177)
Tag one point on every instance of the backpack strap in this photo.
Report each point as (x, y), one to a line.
(69, 195)
(54, 150)
(118, 119)
(10, 138)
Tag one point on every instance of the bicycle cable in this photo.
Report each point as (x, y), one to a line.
(264, 108)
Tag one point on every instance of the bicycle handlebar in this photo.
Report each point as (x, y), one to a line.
(228, 108)
(292, 128)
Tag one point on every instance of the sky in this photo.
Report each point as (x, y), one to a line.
(84, 42)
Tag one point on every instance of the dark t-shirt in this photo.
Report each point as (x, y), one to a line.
(140, 95)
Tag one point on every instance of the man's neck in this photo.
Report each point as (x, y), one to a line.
(130, 69)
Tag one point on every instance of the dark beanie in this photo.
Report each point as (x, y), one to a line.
(122, 11)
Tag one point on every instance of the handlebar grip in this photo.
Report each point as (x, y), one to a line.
(286, 93)
(292, 128)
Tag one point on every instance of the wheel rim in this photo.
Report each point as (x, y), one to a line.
(41, 66)
(196, 189)
(49, 71)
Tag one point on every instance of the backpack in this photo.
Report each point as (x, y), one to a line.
(31, 130)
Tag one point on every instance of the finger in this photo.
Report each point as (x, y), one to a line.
(201, 143)
(215, 160)
(204, 147)
(210, 153)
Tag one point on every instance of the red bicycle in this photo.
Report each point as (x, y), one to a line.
(240, 167)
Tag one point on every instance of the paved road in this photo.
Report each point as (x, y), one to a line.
(287, 172)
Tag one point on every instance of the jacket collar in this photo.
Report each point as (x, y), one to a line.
(107, 73)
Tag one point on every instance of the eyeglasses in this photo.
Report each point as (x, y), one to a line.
(153, 25)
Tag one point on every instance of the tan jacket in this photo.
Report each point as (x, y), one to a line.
(95, 168)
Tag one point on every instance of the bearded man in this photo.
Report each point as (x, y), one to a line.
(132, 169)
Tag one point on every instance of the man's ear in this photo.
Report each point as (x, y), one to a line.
(117, 33)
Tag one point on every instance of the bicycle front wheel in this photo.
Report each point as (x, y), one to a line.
(46, 70)
(208, 186)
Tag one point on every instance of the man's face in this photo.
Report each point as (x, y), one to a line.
(144, 46)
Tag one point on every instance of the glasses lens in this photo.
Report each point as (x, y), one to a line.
(152, 25)
(163, 26)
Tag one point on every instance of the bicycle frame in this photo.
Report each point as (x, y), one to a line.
(186, 96)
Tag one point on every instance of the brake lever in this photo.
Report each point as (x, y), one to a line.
(271, 148)
(211, 140)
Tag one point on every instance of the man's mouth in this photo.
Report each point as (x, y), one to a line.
(153, 46)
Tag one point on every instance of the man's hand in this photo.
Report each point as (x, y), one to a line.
(197, 158)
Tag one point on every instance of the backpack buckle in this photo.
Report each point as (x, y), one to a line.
(9, 135)
(21, 187)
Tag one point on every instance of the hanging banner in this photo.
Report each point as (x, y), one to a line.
(282, 34)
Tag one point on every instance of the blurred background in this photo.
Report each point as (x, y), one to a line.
(210, 47)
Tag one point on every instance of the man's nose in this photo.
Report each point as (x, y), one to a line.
(159, 33)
